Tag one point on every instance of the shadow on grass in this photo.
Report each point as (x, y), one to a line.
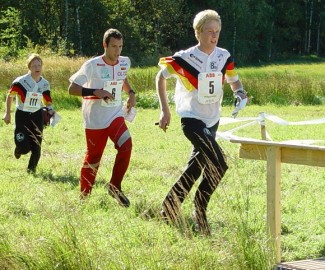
(48, 176)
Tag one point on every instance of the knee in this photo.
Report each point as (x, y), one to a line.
(221, 165)
(126, 146)
(221, 170)
(92, 160)
(23, 148)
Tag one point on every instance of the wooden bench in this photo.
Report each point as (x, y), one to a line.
(276, 153)
(315, 264)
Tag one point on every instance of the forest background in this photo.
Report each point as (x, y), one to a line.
(253, 31)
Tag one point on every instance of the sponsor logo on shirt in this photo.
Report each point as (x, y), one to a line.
(195, 61)
(196, 58)
(100, 65)
(26, 82)
(210, 75)
(105, 73)
(121, 74)
(220, 57)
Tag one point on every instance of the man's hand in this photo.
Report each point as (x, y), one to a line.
(7, 118)
(105, 95)
(164, 120)
(131, 101)
(240, 101)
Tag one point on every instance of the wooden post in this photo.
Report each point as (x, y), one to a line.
(263, 130)
(263, 127)
(274, 198)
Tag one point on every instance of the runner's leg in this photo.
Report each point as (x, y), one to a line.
(121, 137)
(96, 141)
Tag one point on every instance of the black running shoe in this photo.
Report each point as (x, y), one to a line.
(119, 196)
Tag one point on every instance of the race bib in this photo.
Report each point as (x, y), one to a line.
(115, 88)
(209, 87)
(33, 102)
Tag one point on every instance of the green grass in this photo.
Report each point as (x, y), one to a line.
(282, 84)
(286, 84)
(45, 226)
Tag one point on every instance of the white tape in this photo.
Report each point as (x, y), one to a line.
(273, 118)
(227, 135)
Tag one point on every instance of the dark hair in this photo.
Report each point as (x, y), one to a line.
(112, 33)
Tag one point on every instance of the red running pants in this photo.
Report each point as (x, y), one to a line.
(96, 143)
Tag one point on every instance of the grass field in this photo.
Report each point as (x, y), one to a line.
(45, 226)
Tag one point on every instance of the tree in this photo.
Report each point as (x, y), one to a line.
(252, 31)
(10, 30)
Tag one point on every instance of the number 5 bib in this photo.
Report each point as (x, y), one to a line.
(209, 87)
(115, 88)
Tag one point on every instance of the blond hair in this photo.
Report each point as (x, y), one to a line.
(202, 18)
(32, 57)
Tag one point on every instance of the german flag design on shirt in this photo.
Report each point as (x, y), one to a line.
(186, 66)
(177, 66)
(24, 84)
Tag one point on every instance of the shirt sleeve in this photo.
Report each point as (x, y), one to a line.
(231, 74)
(46, 92)
(82, 75)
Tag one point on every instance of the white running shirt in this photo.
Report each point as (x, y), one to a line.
(187, 103)
(93, 74)
(27, 89)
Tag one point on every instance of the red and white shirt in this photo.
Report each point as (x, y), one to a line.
(95, 74)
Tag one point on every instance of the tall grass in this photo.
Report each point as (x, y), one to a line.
(45, 226)
(298, 84)
(286, 84)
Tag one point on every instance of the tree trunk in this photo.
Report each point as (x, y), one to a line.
(78, 31)
(319, 30)
(66, 11)
(309, 27)
(306, 26)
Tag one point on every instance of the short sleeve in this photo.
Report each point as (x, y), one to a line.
(82, 75)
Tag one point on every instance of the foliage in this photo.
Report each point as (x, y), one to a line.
(252, 31)
(10, 29)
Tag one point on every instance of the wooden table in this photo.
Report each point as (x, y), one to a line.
(276, 153)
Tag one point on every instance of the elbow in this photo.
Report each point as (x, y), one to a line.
(160, 81)
(159, 76)
(72, 90)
